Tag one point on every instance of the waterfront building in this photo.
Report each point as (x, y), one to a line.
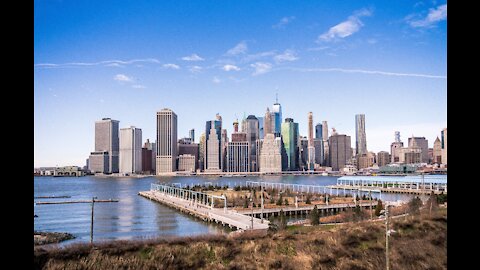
(130, 150)
(311, 147)
(68, 171)
(396, 168)
(146, 160)
(270, 154)
(251, 130)
(339, 150)
(444, 146)
(238, 155)
(186, 163)
(395, 148)
(216, 142)
(99, 162)
(166, 141)
(360, 135)
(290, 140)
(383, 158)
(421, 143)
(277, 118)
(187, 147)
(106, 139)
(213, 158)
(153, 159)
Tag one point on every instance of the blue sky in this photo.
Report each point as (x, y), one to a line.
(128, 59)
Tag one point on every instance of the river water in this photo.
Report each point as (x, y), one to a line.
(135, 217)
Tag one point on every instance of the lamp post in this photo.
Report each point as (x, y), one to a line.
(91, 221)
(251, 199)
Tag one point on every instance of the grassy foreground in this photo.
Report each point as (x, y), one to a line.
(420, 242)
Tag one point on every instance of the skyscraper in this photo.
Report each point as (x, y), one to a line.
(325, 130)
(326, 151)
(252, 136)
(192, 134)
(202, 145)
(340, 151)
(277, 119)
(361, 137)
(383, 158)
(166, 141)
(261, 132)
(130, 150)
(395, 148)
(444, 146)
(422, 143)
(289, 135)
(437, 151)
(107, 140)
(267, 123)
(270, 155)
(318, 131)
(311, 147)
(210, 153)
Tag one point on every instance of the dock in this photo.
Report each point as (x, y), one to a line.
(79, 201)
(201, 205)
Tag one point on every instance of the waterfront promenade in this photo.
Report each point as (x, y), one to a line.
(197, 205)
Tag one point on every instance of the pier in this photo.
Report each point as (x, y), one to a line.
(201, 205)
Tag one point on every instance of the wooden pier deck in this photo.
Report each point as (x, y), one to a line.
(388, 189)
(219, 215)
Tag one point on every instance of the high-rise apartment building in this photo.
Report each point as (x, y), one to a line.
(340, 150)
(311, 147)
(130, 150)
(252, 136)
(166, 141)
(361, 137)
(107, 140)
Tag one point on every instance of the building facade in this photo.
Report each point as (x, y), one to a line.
(340, 150)
(238, 156)
(130, 150)
(186, 163)
(214, 141)
(107, 139)
(189, 148)
(421, 143)
(270, 154)
(383, 158)
(166, 141)
(251, 130)
(290, 140)
(277, 118)
(444, 146)
(99, 162)
(360, 134)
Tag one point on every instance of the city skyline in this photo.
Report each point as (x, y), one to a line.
(384, 60)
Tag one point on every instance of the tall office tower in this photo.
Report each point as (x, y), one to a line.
(277, 118)
(166, 141)
(303, 152)
(188, 148)
(395, 148)
(223, 150)
(261, 132)
(444, 146)
(326, 151)
(318, 144)
(340, 151)
(106, 140)
(383, 158)
(216, 125)
(360, 136)
(311, 146)
(130, 150)
(146, 160)
(192, 134)
(201, 152)
(290, 141)
(319, 131)
(411, 155)
(252, 136)
(267, 123)
(422, 143)
(437, 151)
(235, 126)
(271, 154)
(213, 158)
(237, 156)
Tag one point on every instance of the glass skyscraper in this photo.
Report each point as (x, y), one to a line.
(289, 133)
(277, 118)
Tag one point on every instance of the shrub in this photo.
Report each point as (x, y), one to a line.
(378, 208)
(314, 216)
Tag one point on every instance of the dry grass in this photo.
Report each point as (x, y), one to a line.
(419, 243)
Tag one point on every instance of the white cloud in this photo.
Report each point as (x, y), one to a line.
(434, 15)
(138, 86)
(172, 66)
(193, 57)
(122, 78)
(287, 55)
(253, 57)
(318, 48)
(375, 72)
(261, 68)
(195, 69)
(216, 80)
(109, 63)
(284, 21)
(230, 67)
(346, 28)
(240, 48)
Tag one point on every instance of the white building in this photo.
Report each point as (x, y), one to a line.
(186, 163)
(166, 141)
(271, 154)
(130, 150)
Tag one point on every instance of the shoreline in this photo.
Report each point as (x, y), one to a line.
(44, 238)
